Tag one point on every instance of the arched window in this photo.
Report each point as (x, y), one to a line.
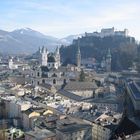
(54, 81)
(38, 74)
(43, 81)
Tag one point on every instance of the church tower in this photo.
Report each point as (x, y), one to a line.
(57, 56)
(78, 56)
(43, 56)
(103, 63)
(108, 61)
(10, 63)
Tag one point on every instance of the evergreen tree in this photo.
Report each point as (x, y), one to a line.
(82, 76)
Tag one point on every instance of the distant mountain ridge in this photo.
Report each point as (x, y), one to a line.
(69, 39)
(26, 40)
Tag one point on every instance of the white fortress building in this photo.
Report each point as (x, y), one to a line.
(108, 32)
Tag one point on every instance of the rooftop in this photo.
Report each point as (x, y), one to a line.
(135, 89)
(51, 58)
(38, 110)
(69, 95)
(44, 68)
(80, 86)
(73, 128)
(41, 134)
(46, 86)
(127, 127)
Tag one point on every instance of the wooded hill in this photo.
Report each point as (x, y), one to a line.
(124, 50)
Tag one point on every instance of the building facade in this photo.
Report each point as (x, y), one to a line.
(51, 60)
(108, 32)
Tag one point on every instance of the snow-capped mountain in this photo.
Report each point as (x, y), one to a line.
(68, 40)
(26, 40)
(30, 32)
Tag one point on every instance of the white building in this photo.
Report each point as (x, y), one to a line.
(11, 64)
(82, 89)
(108, 32)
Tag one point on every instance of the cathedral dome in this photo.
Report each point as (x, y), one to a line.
(51, 59)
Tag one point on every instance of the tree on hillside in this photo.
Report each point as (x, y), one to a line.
(82, 76)
(123, 50)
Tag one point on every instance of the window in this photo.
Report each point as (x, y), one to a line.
(38, 82)
(38, 74)
(43, 81)
(54, 81)
(64, 81)
(54, 75)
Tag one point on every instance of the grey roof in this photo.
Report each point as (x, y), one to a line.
(103, 100)
(74, 128)
(69, 95)
(44, 68)
(51, 58)
(54, 70)
(46, 86)
(80, 86)
(87, 115)
(135, 89)
(41, 134)
(18, 79)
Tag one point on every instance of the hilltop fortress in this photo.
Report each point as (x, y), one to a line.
(108, 32)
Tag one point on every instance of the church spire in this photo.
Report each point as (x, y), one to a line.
(78, 55)
(108, 54)
(57, 56)
(108, 61)
(39, 49)
(78, 51)
(57, 50)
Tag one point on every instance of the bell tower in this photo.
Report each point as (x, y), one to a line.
(78, 56)
(43, 56)
(108, 61)
(57, 56)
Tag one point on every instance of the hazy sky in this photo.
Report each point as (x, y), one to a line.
(64, 17)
